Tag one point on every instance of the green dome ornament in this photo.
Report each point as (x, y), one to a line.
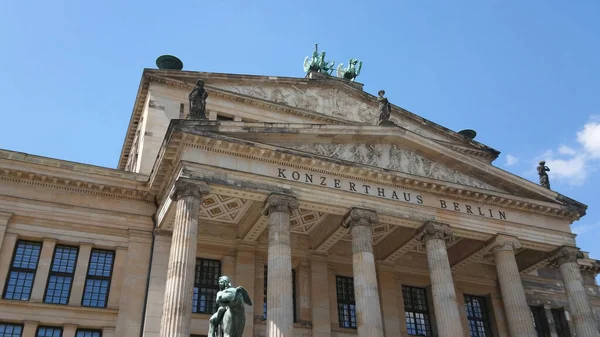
(169, 62)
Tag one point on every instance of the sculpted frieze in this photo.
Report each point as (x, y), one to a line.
(328, 101)
(391, 157)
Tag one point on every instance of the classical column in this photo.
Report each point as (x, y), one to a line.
(177, 308)
(579, 305)
(435, 234)
(368, 309)
(518, 313)
(280, 310)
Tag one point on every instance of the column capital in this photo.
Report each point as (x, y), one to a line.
(435, 230)
(566, 254)
(279, 203)
(503, 242)
(360, 217)
(189, 188)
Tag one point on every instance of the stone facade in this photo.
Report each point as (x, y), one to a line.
(334, 226)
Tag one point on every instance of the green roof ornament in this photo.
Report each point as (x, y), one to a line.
(317, 63)
(350, 73)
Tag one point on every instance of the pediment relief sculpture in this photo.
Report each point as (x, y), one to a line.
(394, 158)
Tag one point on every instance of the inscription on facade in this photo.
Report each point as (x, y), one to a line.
(386, 192)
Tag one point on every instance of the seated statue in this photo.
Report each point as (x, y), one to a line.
(230, 318)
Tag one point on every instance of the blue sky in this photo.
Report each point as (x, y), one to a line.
(524, 74)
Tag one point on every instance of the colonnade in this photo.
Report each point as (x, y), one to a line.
(177, 309)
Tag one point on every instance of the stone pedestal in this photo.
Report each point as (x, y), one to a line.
(366, 295)
(579, 305)
(518, 313)
(280, 309)
(177, 307)
(434, 235)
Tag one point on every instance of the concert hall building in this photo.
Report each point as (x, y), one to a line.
(336, 225)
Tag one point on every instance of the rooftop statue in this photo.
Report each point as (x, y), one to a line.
(197, 99)
(385, 108)
(542, 169)
(317, 62)
(230, 319)
(350, 73)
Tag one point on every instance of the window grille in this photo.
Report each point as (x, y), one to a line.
(206, 286)
(477, 315)
(345, 302)
(10, 330)
(97, 283)
(416, 311)
(88, 333)
(22, 271)
(61, 275)
(48, 331)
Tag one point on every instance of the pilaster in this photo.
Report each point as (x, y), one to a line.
(319, 294)
(4, 218)
(43, 268)
(389, 298)
(6, 253)
(83, 260)
(245, 262)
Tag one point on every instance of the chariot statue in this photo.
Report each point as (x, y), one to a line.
(318, 63)
(350, 73)
(230, 318)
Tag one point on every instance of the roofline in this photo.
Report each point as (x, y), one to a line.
(312, 77)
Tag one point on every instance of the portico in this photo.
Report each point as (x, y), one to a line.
(291, 216)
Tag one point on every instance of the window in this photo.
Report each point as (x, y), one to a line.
(22, 271)
(224, 118)
(48, 331)
(416, 311)
(61, 275)
(540, 322)
(293, 294)
(345, 300)
(10, 330)
(97, 283)
(206, 286)
(560, 323)
(477, 315)
(88, 333)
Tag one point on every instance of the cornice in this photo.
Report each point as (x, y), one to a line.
(270, 154)
(77, 185)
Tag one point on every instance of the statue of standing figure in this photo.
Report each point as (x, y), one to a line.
(542, 169)
(230, 318)
(385, 108)
(197, 99)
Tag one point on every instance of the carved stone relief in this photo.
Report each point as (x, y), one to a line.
(391, 157)
(332, 102)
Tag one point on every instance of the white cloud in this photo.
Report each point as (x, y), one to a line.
(589, 138)
(574, 164)
(511, 160)
(563, 149)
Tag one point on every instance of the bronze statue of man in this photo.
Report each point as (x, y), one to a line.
(197, 99)
(542, 169)
(385, 108)
(230, 318)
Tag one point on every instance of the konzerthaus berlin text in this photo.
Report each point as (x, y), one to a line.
(337, 220)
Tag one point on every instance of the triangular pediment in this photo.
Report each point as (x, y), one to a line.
(329, 97)
(388, 150)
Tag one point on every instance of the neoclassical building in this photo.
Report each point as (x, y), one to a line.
(335, 224)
